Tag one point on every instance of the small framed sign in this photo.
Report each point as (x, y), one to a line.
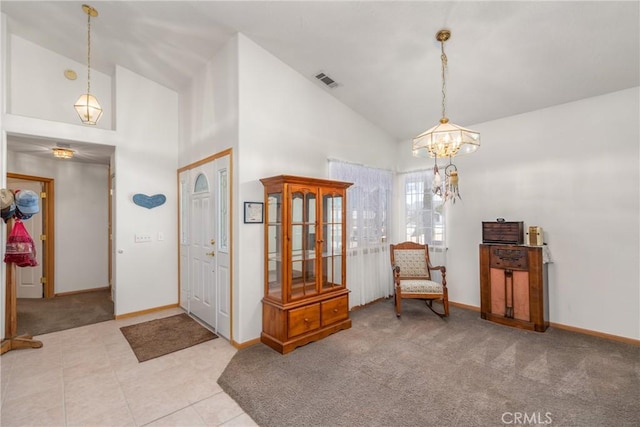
(253, 212)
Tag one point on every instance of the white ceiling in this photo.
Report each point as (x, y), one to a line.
(505, 58)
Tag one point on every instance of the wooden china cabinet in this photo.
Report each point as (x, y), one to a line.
(305, 293)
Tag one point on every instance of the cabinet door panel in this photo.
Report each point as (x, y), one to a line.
(510, 291)
(332, 240)
(274, 268)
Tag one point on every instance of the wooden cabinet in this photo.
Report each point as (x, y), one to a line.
(305, 293)
(514, 286)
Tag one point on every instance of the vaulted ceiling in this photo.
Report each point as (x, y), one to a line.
(505, 58)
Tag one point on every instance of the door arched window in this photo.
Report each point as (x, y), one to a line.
(201, 185)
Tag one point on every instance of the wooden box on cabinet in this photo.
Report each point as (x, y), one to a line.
(305, 293)
(506, 233)
(514, 286)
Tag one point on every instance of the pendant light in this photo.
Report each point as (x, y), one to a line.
(445, 139)
(87, 106)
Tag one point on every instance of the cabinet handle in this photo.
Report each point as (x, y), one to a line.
(306, 320)
(335, 310)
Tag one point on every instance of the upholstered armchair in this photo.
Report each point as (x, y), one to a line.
(412, 277)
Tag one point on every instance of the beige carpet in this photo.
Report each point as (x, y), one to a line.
(422, 371)
(156, 338)
(38, 316)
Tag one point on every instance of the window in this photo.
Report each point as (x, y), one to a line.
(201, 184)
(424, 218)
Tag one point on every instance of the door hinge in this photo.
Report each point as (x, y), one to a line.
(43, 280)
(43, 195)
(43, 237)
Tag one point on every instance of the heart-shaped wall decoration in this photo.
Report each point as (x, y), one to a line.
(149, 202)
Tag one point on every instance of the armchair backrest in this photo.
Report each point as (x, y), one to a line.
(412, 258)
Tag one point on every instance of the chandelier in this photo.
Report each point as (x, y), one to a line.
(87, 106)
(445, 139)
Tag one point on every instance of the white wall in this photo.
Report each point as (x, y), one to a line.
(209, 108)
(572, 169)
(288, 125)
(145, 162)
(81, 219)
(39, 89)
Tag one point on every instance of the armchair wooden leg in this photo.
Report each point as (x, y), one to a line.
(398, 302)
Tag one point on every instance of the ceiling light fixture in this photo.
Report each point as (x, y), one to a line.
(62, 153)
(445, 139)
(87, 105)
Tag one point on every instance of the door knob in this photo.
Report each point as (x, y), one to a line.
(213, 242)
(211, 253)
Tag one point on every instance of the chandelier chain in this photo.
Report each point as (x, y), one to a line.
(443, 57)
(88, 53)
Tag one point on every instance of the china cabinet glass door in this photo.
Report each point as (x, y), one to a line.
(332, 244)
(274, 245)
(303, 242)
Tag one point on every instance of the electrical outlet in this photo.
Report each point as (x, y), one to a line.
(143, 238)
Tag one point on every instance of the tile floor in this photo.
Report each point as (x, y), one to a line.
(89, 376)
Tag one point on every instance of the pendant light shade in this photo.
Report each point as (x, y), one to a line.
(87, 106)
(445, 139)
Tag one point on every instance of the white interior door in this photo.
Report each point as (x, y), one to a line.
(205, 274)
(28, 283)
(202, 239)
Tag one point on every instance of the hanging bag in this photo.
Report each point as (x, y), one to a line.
(20, 247)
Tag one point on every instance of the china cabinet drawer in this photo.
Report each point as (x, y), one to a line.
(304, 319)
(334, 310)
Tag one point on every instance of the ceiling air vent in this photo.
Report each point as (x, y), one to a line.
(326, 80)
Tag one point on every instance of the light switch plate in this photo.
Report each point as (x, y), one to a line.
(142, 238)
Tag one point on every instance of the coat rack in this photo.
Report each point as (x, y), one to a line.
(12, 341)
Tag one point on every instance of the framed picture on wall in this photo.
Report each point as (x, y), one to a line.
(253, 212)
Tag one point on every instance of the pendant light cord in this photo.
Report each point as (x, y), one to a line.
(443, 57)
(88, 53)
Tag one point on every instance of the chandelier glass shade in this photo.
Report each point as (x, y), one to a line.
(62, 153)
(87, 106)
(445, 139)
